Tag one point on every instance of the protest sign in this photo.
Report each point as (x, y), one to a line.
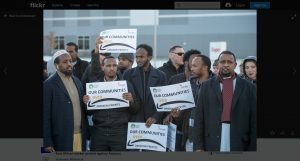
(106, 95)
(152, 138)
(118, 41)
(173, 96)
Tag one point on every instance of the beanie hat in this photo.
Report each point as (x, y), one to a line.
(128, 56)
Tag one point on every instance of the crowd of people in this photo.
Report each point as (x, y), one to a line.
(223, 119)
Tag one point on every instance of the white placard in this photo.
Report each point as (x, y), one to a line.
(173, 96)
(152, 138)
(106, 95)
(171, 141)
(118, 41)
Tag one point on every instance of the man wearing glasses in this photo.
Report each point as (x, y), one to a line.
(175, 63)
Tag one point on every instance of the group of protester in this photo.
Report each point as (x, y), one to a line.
(224, 118)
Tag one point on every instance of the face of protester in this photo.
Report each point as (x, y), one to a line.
(124, 63)
(251, 70)
(142, 58)
(65, 64)
(198, 68)
(110, 68)
(216, 69)
(190, 61)
(72, 52)
(177, 56)
(226, 65)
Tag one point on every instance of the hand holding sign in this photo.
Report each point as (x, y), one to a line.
(99, 41)
(86, 99)
(168, 119)
(150, 121)
(128, 96)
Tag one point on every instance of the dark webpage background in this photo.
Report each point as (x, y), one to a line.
(21, 73)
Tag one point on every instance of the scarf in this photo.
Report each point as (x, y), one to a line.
(227, 95)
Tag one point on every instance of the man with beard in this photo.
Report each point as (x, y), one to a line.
(225, 114)
(142, 77)
(64, 119)
(79, 65)
(109, 130)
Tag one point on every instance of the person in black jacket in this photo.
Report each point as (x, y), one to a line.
(94, 70)
(79, 65)
(181, 133)
(187, 59)
(142, 77)
(201, 72)
(175, 63)
(109, 131)
(225, 114)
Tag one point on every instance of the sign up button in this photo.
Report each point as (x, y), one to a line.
(260, 5)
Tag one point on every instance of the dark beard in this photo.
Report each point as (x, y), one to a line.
(225, 74)
(121, 68)
(68, 73)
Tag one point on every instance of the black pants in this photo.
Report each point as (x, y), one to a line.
(101, 141)
(178, 144)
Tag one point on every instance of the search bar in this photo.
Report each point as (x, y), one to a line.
(197, 5)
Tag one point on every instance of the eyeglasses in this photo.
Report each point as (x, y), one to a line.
(179, 54)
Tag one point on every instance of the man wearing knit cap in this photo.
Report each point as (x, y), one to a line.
(125, 61)
(64, 120)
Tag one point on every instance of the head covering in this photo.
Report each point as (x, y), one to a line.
(128, 56)
(251, 58)
(248, 58)
(59, 53)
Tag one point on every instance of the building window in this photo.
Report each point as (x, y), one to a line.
(60, 41)
(58, 14)
(109, 22)
(173, 20)
(83, 42)
(83, 13)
